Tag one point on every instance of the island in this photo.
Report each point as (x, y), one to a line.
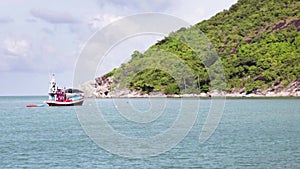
(257, 42)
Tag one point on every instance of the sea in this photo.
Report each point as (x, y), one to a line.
(107, 133)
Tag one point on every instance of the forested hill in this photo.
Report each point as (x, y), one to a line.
(258, 42)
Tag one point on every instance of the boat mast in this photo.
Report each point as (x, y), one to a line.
(52, 88)
(52, 84)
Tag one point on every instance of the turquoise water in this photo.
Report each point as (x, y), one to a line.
(253, 133)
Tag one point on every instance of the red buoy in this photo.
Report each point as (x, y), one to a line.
(31, 105)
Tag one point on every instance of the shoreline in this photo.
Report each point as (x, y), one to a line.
(101, 88)
(172, 96)
(204, 95)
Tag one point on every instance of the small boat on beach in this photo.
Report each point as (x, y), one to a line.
(63, 97)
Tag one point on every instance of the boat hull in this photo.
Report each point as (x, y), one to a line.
(65, 103)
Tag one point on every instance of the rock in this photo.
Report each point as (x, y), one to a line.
(203, 95)
(258, 92)
(251, 95)
(270, 94)
(243, 90)
(99, 88)
(216, 93)
(279, 90)
(88, 88)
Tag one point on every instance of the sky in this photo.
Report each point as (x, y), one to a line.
(38, 37)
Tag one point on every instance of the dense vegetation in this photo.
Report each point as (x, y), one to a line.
(258, 42)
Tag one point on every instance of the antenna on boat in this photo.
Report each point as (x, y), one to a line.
(52, 84)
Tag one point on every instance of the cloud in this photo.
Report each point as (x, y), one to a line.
(14, 54)
(16, 48)
(21, 55)
(99, 20)
(6, 20)
(53, 17)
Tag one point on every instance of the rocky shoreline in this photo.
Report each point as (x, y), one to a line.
(100, 88)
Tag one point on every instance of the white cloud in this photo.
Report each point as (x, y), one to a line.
(53, 16)
(20, 55)
(14, 54)
(16, 48)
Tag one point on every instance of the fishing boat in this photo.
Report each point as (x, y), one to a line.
(63, 97)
